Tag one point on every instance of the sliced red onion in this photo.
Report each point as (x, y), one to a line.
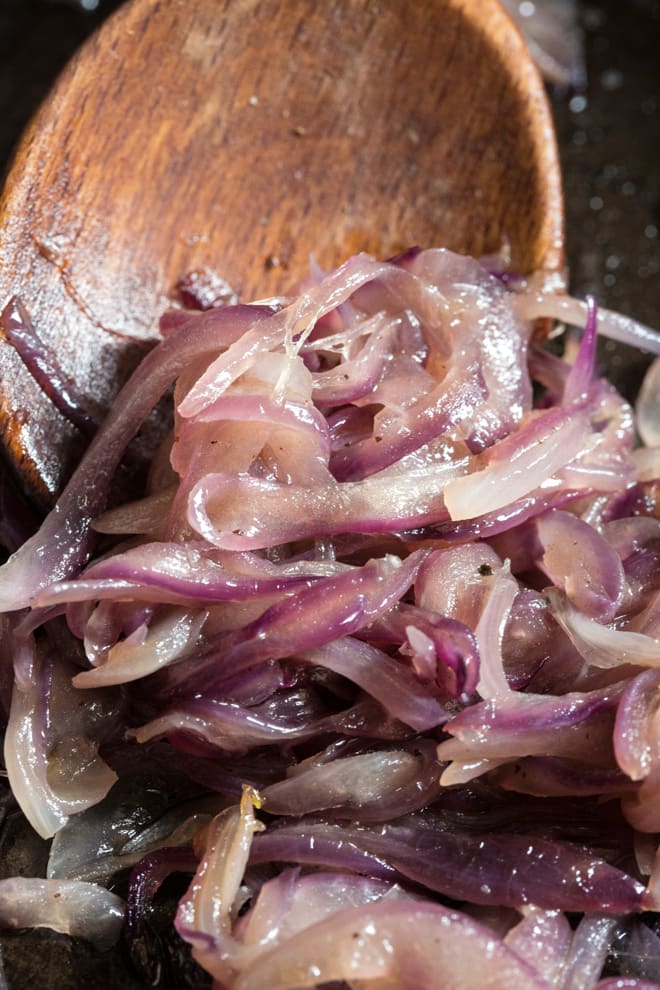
(398, 690)
(73, 907)
(602, 645)
(325, 845)
(464, 866)
(308, 618)
(629, 535)
(290, 903)
(478, 394)
(103, 626)
(265, 423)
(405, 500)
(322, 613)
(518, 465)
(44, 367)
(575, 726)
(463, 771)
(520, 511)
(648, 406)
(641, 808)
(170, 638)
(247, 513)
(469, 584)
(644, 849)
(589, 948)
(440, 412)
(580, 376)
(393, 942)
(294, 414)
(234, 729)
(171, 572)
(534, 304)
(62, 543)
(535, 653)
(146, 810)
(647, 464)
(543, 938)
(142, 517)
(289, 326)
(580, 562)
(148, 876)
(635, 731)
(249, 687)
(355, 378)
(454, 581)
(443, 651)
(53, 765)
(489, 634)
(551, 776)
(368, 786)
(204, 914)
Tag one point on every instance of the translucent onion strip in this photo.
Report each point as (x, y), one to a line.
(73, 907)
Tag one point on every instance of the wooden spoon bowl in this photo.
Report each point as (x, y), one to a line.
(246, 136)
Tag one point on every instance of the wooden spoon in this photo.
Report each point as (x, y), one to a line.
(246, 136)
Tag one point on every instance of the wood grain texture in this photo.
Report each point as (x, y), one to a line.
(191, 133)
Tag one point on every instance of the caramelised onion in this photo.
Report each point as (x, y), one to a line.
(73, 907)
(394, 578)
(469, 866)
(63, 543)
(580, 562)
(51, 743)
(397, 943)
(370, 786)
(603, 645)
(648, 406)
(636, 741)
(588, 952)
(545, 937)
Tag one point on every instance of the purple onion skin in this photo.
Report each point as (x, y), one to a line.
(202, 582)
(45, 369)
(537, 713)
(581, 374)
(314, 850)
(544, 776)
(475, 868)
(494, 523)
(457, 659)
(478, 869)
(328, 610)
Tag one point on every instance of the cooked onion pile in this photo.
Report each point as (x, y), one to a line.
(373, 668)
